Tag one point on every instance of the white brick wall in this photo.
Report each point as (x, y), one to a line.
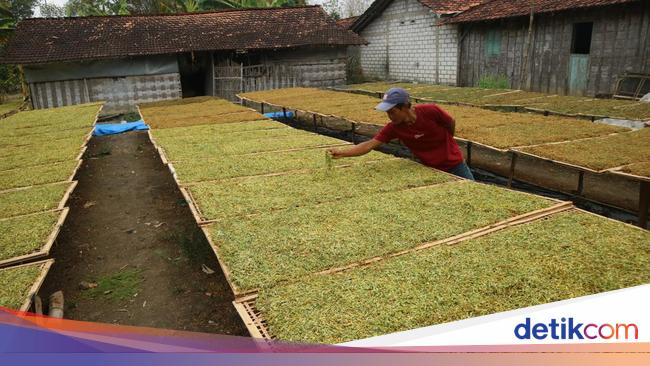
(405, 44)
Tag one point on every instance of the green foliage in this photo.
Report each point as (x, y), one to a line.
(96, 7)
(494, 82)
(568, 255)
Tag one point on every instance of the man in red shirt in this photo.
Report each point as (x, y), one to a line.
(426, 129)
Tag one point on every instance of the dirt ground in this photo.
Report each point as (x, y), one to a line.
(130, 251)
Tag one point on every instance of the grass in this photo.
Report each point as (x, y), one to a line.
(232, 166)
(118, 286)
(569, 255)
(225, 128)
(208, 149)
(16, 283)
(494, 82)
(286, 245)
(600, 153)
(25, 235)
(640, 169)
(30, 200)
(41, 174)
(221, 200)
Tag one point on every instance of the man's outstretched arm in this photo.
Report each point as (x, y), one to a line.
(356, 150)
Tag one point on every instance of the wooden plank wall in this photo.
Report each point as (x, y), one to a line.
(620, 43)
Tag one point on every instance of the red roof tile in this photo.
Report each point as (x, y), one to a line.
(346, 22)
(498, 9)
(449, 6)
(436, 6)
(41, 40)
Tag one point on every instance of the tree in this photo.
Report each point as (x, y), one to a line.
(333, 8)
(51, 10)
(353, 8)
(22, 9)
(96, 7)
(10, 75)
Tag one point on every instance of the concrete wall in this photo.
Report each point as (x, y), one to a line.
(121, 83)
(317, 67)
(620, 42)
(404, 43)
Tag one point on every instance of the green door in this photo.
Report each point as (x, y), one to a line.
(578, 71)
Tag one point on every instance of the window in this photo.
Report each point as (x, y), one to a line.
(493, 43)
(581, 43)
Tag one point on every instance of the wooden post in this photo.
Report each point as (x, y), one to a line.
(315, 125)
(513, 162)
(380, 95)
(284, 112)
(469, 153)
(354, 133)
(644, 202)
(262, 107)
(581, 182)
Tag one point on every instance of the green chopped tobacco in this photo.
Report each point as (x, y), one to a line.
(263, 250)
(25, 235)
(568, 255)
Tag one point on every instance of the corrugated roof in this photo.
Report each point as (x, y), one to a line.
(498, 9)
(41, 40)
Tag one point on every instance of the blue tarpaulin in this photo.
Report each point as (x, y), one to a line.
(278, 114)
(112, 129)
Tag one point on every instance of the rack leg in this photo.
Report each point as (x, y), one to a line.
(581, 183)
(644, 202)
(513, 163)
(469, 153)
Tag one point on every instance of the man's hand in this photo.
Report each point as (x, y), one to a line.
(356, 150)
(336, 153)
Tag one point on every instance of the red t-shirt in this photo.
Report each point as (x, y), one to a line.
(428, 137)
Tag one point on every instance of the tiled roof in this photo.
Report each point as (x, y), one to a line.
(436, 6)
(346, 22)
(449, 6)
(498, 9)
(41, 40)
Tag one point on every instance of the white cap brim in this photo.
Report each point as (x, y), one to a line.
(384, 106)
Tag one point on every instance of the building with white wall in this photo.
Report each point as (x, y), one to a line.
(406, 41)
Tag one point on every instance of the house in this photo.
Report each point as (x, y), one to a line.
(346, 23)
(125, 60)
(406, 42)
(575, 47)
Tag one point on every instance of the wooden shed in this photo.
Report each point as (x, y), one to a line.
(576, 47)
(125, 60)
